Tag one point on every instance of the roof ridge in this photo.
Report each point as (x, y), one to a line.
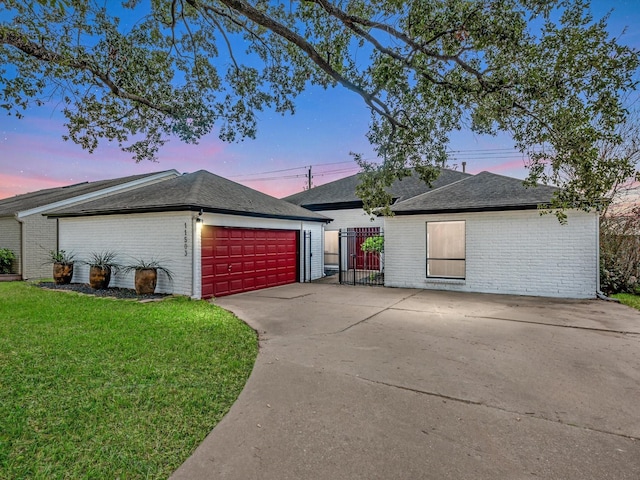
(520, 179)
(438, 189)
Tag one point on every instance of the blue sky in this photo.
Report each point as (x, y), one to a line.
(326, 127)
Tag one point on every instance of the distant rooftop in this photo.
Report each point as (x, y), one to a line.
(196, 191)
(482, 192)
(342, 192)
(41, 198)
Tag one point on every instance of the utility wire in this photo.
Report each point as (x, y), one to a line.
(466, 155)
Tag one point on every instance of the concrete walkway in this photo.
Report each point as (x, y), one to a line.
(380, 383)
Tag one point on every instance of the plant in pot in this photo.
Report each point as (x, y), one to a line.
(146, 275)
(101, 266)
(62, 266)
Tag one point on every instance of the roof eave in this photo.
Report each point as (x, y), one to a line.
(182, 208)
(495, 208)
(348, 205)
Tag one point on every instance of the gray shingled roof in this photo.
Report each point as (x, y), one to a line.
(27, 201)
(344, 189)
(196, 191)
(482, 192)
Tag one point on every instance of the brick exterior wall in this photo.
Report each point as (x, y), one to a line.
(10, 237)
(518, 252)
(166, 237)
(40, 237)
(171, 237)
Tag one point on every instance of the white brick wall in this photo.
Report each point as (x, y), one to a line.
(40, 237)
(351, 218)
(168, 237)
(518, 252)
(10, 238)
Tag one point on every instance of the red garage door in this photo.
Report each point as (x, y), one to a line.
(238, 260)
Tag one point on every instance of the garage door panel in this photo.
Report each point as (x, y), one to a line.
(283, 262)
(219, 289)
(207, 271)
(237, 260)
(249, 266)
(219, 269)
(235, 285)
(207, 290)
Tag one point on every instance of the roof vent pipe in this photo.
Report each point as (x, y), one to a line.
(464, 167)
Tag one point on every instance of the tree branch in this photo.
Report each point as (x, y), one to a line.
(352, 22)
(256, 16)
(32, 49)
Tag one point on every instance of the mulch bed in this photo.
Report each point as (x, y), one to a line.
(114, 292)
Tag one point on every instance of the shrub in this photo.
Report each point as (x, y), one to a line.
(6, 260)
(104, 260)
(61, 256)
(620, 252)
(373, 244)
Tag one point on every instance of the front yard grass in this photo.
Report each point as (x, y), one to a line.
(104, 388)
(629, 299)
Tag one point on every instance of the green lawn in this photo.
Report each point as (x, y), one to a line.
(104, 388)
(629, 299)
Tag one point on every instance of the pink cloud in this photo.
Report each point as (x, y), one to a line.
(510, 167)
(11, 185)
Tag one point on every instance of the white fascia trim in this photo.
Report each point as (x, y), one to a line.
(98, 193)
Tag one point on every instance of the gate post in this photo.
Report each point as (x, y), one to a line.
(340, 256)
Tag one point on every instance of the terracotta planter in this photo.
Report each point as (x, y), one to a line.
(99, 277)
(62, 273)
(145, 281)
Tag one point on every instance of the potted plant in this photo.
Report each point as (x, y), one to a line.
(146, 275)
(101, 265)
(62, 266)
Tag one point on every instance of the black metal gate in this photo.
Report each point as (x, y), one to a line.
(306, 256)
(361, 256)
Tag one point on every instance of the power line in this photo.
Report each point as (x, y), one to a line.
(468, 155)
(292, 168)
(301, 175)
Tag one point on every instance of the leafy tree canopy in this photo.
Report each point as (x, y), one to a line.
(544, 71)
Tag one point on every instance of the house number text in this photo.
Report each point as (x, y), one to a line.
(186, 244)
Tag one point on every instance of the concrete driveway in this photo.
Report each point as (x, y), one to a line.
(381, 383)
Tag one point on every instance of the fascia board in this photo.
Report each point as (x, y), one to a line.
(98, 193)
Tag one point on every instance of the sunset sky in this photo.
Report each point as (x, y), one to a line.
(326, 127)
